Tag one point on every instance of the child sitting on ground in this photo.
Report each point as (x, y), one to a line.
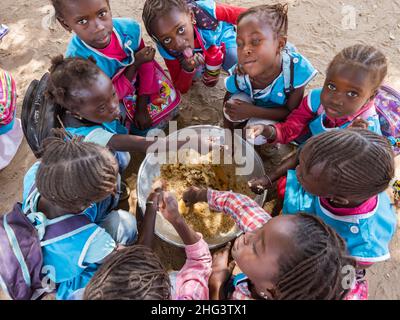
(10, 126)
(270, 72)
(302, 257)
(346, 99)
(189, 34)
(118, 48)
(76, 179)
(342, 177)
(89, 107)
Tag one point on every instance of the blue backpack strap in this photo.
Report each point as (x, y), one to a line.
(314, 99)
(288, 72)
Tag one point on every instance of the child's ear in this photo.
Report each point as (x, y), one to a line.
(192, 17)
(281, 44)
(339, 200)
(64, 24)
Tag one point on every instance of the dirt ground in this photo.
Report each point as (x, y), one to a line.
(319, 29)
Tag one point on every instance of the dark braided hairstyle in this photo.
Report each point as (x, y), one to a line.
(358, 162)
(59, 6)
(133, 273)
(74, 174)
(275, 15)
(154, 9)
(363, 57)
(68, 74)
(314, 270)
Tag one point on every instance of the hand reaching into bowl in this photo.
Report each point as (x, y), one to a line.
(194, 195)
(259, 185)
(170, 211)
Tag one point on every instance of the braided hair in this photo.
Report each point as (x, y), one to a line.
(314, 269)
(74, 174)
(358, 162)
(363, 57)
(59, 6)
(67, 74)
(154, 9)
(133, 273)
(275, 15)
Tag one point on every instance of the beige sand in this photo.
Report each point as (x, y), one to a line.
(315, 28)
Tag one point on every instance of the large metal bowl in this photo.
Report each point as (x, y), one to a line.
(150, 170)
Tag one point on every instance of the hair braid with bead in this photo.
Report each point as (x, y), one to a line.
(133, 273)
(74, 174)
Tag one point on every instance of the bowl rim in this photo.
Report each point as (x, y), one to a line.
(182, 245)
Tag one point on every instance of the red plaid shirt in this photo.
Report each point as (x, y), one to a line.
(249, 216)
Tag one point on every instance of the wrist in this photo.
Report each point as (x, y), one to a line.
(202, 195)
(177, 220)
(187, 68)
(269, 132)
(137, 63)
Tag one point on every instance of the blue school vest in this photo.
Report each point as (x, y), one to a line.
(274, 94)
(64, 255)
(129, 35)
(367, 236)
(225, 32)
(317, 125)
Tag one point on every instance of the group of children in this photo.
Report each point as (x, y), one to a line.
(111, 92)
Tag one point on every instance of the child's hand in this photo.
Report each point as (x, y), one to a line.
(252, 132)
(159, 185)
(259, 185)
(194, 195)
(193, 62)
(169, 208)
(144, 55)
(237, 109)
(359, 123)
(142, 119)
(155, 198)
(221, 270)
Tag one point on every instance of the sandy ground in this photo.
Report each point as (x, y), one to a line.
(319, 28)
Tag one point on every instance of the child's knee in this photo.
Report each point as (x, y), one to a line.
(123, 158)
(122, 226)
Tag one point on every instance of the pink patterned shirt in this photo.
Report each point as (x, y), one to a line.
(192, 280)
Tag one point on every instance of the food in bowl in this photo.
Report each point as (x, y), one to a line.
(199, 171)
